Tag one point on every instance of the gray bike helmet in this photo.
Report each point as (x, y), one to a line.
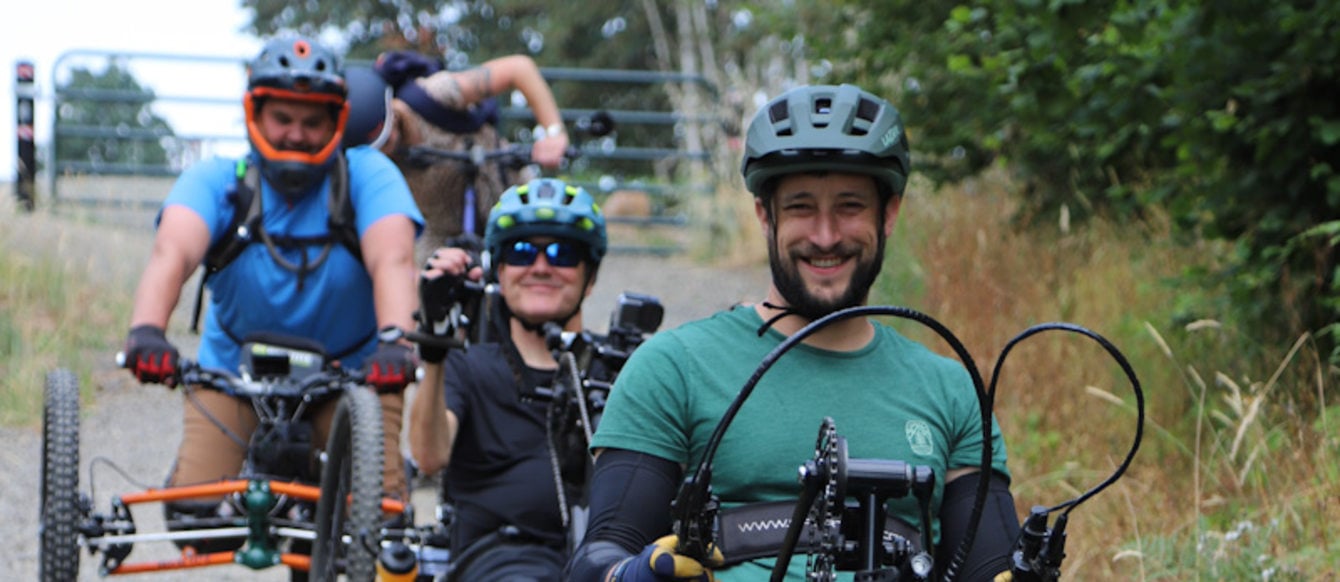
(299, 69)
(827, 128)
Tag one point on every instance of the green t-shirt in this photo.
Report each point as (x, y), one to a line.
(893, 399)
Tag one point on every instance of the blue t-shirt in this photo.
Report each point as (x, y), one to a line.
(334, 302)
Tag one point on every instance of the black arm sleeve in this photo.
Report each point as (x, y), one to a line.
(630, 508)
(996, 534)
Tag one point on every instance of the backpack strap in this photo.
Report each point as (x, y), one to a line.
(246, 220)
(343, 227)
(246, 227)
(246, 200)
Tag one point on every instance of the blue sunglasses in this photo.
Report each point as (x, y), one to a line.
(522, 253)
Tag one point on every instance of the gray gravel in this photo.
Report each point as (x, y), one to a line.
(136, 428)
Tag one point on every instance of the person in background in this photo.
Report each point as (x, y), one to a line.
(481, 413)
(296, 278)
(407, 99)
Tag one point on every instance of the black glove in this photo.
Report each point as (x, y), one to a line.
(439, 294)
(391, 367)
(436, 297)
(658, 562)
(150, 357)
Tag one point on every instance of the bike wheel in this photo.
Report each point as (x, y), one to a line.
(59, 506)
(349, 510)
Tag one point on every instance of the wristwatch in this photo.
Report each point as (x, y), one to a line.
(390, 334)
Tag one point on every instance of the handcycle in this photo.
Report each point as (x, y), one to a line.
(281, 506)
(842, 500)
(588, 364)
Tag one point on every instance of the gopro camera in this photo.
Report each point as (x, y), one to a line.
(636, 314)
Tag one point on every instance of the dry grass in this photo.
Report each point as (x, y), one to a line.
(1237, 472)
(58, 308)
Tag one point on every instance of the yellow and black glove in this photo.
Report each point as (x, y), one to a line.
(658, 562)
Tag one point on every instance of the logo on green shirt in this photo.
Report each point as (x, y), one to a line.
(919, 437)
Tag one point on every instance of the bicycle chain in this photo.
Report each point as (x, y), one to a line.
(820, 567)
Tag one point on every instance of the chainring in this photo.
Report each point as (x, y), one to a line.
(825, 516)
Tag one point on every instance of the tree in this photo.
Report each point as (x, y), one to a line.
(106, 119)
(1224, 114)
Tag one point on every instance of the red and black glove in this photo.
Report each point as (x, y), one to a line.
(150, 357)
(391, 367)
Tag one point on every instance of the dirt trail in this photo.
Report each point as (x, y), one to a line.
(136, 428)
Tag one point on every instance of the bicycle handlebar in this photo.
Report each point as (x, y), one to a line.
(190, 372)
(516, 155)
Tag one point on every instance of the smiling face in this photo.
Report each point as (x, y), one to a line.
(296, 126)
(826, 239)
(540, 291)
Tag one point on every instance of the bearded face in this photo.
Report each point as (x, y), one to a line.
(815, 304)
(826, 244)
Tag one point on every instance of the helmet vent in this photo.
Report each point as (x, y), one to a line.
(780, 117)
(823, 109)
(866, 112)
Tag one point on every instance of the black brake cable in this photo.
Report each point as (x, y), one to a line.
(1125, 368)
(693, 497)
(1040, 549)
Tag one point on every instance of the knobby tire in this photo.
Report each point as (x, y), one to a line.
(352, 472)
(59, 507)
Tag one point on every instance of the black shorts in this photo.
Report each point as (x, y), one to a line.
(514, 561)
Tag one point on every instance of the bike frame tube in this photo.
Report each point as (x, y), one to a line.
(294, 561)
(219, 489)
(295, 490)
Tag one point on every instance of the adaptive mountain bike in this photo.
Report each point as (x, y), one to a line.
(841, 498)
(588, 364)
(286, 502)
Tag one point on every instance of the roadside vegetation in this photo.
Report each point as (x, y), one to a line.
(51, 315)
(1236, 475)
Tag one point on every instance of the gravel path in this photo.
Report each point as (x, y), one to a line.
(137, 428)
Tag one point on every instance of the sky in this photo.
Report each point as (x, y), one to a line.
(41, 31)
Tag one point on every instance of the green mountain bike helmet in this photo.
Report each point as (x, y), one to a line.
(546, 207)
(827, 128)
(300, 69)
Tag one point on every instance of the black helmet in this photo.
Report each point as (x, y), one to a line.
(827, 128)
(370, 115)
(299, 69)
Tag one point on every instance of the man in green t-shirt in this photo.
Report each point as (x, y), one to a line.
(827, 166)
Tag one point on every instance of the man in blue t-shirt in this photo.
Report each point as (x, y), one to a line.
(295, 278)
(827, 166)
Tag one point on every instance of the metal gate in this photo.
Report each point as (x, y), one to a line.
(200, 98)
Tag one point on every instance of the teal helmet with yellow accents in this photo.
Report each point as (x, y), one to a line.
(546, 207)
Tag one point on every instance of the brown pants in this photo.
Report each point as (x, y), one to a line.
(208, 454)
